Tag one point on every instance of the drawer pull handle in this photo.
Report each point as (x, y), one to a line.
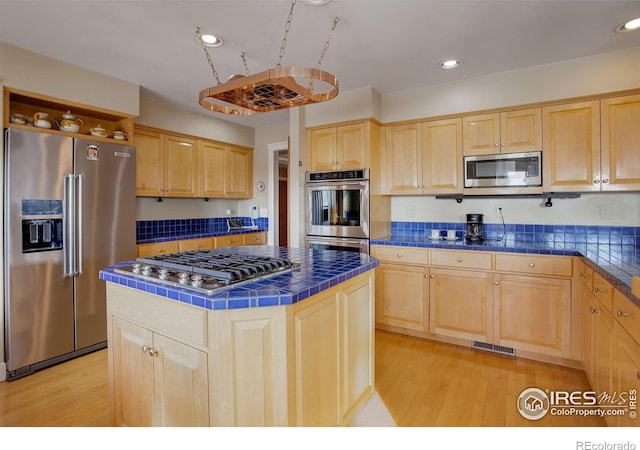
(597, 289)
(622, 314)
(459, 259)
(532, 265)
(399, 255)
(152, 352)
(593, 310)
(145, 349)
(496, 283)
(432, 276)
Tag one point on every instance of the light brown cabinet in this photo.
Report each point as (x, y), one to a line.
(341, 147)
(159, 381)
(533, 314)
(195, 244)
(402, 296)
(461, 304)
(158, 248)
(620, 159)
(165, 165)
(231, 240)
(173, 165)
(424, 158)
(571, 143)
(502, 132)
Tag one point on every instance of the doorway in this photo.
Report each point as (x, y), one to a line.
(282, 159)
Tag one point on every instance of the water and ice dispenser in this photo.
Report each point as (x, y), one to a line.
(41, 234)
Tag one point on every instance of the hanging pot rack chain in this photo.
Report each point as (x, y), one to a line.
(324, 49)
(287, 27)
(204, 47)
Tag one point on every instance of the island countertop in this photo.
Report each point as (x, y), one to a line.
(318, 271)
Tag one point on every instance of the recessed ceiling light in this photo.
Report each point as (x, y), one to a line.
(631, 25)
(450, 64)
(316, 2)
(211, 40)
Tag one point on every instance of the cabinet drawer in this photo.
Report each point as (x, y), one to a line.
(159, 248)
(195, 244)
(627, 313)
(535, 264)
(463, 259)
(603, 291)
(401, 255)
(254, 238)
(228, 241)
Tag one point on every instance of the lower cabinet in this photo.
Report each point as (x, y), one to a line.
(402, 296)
(533, 314)
(159, 381)
(307, 364)
(461, 304)
(627, 374)
(461, 296)
(334, 345)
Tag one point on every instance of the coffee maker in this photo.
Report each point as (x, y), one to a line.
(474, 228)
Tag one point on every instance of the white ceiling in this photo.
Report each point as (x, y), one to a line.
(388, 45)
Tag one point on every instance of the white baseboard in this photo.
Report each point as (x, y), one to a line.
(3, 371)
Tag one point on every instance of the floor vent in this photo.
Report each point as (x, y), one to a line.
(494, 348)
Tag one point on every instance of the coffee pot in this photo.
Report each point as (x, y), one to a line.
(474, 228)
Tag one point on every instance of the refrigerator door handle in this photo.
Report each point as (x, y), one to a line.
(69, 226)
(79, 229)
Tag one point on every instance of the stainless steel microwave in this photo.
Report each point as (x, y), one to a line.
(503, 170)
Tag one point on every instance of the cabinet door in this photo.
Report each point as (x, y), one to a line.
(149, 164)
(627, 374)
(603, 357)
(481, 134)
(404, 159)
(533, 314)
(231, 240)
(571, 160)
(180, 163)
(350, 147)
(621, 143)
(212, 169)
(259, 238)
(195, 244)
(442, 157)
(316, 331)
(322, 154)
(521, 131)
(589, 335)
(461, 304)
(132, 374)
(239, 175)
(180, 384)
(159, 248)
(357, 348)
(402, 296)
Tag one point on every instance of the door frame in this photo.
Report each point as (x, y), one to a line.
(272, 184)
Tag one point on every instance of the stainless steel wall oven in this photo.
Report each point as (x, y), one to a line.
(337, 209)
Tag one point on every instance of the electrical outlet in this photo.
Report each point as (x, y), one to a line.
(499, 211)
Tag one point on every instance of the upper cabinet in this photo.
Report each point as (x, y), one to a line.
(571, 155)
(226, 171)
(165, 165)
(172, 165)
(620, 159)
(424, 158)
(342, 147)
(503, 132)
(592, 146)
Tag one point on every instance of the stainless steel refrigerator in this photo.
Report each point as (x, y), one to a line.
(69, 211)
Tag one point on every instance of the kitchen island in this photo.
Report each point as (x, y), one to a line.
(290, 349)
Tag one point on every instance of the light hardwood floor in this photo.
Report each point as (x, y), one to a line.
(422, 383)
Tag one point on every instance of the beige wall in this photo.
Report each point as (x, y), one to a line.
(362, 103)
(608, 72)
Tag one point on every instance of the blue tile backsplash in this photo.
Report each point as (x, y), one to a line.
(529, 233)
(147, 230)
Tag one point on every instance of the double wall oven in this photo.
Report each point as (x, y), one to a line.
(337, 215)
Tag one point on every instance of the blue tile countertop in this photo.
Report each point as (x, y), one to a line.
(320, 270)
(616, 263)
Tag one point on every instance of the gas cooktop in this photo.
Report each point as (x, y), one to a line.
(206, 270)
